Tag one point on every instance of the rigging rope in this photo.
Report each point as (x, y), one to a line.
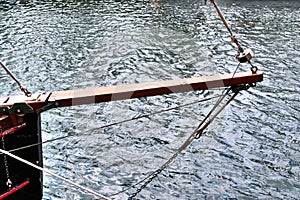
(195, 135)
(227, 26)
(22, 88)
(53, 174)
(243, 55)
(117, 123)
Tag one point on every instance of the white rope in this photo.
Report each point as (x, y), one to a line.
(55, 175)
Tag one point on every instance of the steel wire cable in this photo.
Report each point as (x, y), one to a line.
(115, 123)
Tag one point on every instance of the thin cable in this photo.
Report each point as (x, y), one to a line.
(195, 135)
(222, 96)
(54, 175)
(115, 123)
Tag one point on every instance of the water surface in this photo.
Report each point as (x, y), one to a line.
(251, 151)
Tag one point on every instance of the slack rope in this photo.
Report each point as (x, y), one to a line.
(54, 175)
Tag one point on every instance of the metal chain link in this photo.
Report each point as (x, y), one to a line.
(195, 135)
(253, 68)
(8, 183)
(152, 176)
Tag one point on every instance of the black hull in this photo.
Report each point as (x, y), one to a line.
(18, 171)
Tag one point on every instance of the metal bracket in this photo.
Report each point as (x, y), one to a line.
(17, 109)
(4, 110)
(21, 108)
(47, 107)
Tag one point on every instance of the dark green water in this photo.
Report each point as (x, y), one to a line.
(252, 151)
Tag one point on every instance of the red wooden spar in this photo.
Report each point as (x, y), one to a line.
(112, 93)
(12, 107)
(18, 110)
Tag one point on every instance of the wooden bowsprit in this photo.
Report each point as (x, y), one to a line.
(18, 110)
(39, 102)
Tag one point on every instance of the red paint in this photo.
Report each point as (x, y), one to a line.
(14, 189)
(12, 130)
(120, 92)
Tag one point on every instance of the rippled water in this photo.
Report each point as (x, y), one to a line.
(251, 151)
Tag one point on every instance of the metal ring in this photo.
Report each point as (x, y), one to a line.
(254, 69)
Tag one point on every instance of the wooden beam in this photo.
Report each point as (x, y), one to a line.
(112, 93)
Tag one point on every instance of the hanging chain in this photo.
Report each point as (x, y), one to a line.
(154, 174)
(195, 135)
(8, 183)
(22, 88)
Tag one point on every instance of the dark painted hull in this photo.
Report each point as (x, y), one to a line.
(19, 172)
